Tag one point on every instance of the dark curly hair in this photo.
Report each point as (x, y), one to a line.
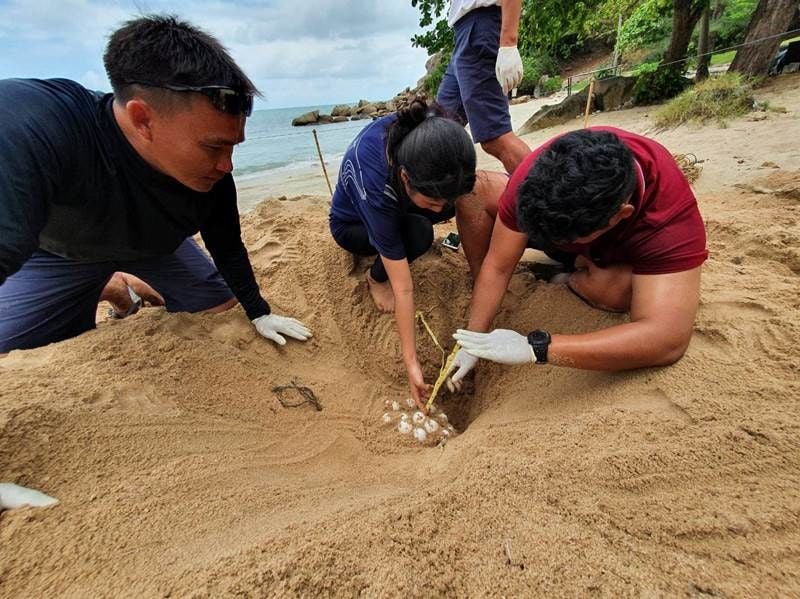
(161, 49)
(436, 152)
(574, 187)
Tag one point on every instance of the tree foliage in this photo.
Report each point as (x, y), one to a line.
(546, 26)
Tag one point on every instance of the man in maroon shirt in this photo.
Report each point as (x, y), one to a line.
(619, 206)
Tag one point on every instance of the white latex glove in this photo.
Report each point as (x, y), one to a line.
(508, 68)
(13, 496)
(273, 326)
(464, 362)
(501, 345)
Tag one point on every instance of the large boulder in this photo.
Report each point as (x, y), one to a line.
(556, 114)
(362, 103)
(358, 117)
(613, 93)
(339, 119)
(325, 118)
(341, 110)
(308, 118)
(609, 94)
(367, 109)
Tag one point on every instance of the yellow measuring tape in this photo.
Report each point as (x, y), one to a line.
(446, 363)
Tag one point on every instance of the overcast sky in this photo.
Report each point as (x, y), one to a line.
(298, 52)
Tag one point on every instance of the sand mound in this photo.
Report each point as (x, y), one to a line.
(180, 473)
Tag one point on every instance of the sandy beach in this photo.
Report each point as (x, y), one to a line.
(180, 473)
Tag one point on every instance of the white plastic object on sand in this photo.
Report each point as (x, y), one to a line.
(13, 496)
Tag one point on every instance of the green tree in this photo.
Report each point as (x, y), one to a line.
(546, 26)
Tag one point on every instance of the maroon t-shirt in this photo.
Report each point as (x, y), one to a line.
(665, 233)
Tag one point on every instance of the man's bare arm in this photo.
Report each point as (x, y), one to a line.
(505, 250)
(663, 309)
(509, 28)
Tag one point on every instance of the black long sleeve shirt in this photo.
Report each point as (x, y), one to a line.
(71, 184)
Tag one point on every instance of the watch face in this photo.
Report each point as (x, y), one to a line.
(539, 336)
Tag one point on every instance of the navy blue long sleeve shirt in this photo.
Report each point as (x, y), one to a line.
(71, 184)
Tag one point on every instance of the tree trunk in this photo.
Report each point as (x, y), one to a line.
(771, 17)
(684, 19)
(703, 58)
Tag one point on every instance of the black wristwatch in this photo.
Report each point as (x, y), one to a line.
(540, 341)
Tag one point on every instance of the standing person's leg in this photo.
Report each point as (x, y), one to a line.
(485, 104)
(187, 280)
(49, 299)
(475, 216)
(449, 95)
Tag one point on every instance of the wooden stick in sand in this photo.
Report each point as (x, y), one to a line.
(588, 104)
(322, 161)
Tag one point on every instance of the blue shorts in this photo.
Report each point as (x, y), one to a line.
(53, 298)
(470, 89)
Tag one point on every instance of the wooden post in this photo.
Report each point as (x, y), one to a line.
(588, 104)
(322, 161)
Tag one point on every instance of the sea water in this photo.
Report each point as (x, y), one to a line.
(272, 145)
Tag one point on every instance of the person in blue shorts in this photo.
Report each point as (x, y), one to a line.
(484, 67)
(94, 185)
(403, 173)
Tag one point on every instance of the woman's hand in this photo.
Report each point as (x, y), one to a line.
(416, 382)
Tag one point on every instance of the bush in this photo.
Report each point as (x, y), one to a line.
(645, 67)
(729, 29)
(716, 98)
(660, 84)
(646, 25)
(534, 66)
(552, 85)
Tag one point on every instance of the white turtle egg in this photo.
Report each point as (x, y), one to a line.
(410, 402)
(395, 406)
(442, 418)
(431, 425)
(404, 416)
(418, 417)
(420, 434)
(445, 433)
(388, 417)
(404, 427)
(433, 410)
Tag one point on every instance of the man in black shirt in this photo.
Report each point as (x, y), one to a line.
(92, 184)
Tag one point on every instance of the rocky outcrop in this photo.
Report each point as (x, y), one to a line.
(609, 94)
(309, 118)
(364, 109)
(341, 110)
(367, 109)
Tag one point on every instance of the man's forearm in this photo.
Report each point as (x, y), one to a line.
(238, 274)
(509, 29)
(486, 297)
(622, 347)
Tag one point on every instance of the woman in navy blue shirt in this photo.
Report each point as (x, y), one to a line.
(401, 174)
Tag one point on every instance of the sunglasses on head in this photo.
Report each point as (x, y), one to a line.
(222, 98)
